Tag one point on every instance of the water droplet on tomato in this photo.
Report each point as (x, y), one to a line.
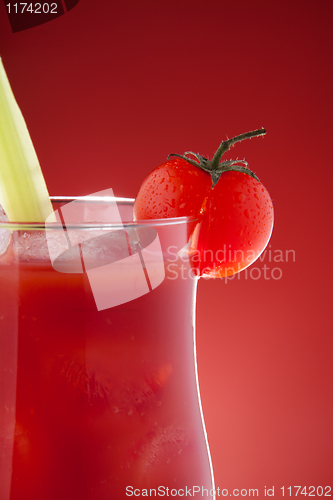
(247, 213)
(239, 197)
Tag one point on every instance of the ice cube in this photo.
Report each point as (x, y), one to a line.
(30, 245)
(4, 233)
(159, 447)
(95, 377)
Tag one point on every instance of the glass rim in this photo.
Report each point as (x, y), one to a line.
(21, 226)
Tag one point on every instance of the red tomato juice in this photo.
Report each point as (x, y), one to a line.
(97, 404)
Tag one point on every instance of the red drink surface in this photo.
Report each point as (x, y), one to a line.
(94, 401)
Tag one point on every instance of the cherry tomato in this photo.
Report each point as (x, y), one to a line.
(174, 189)
(233, 209)
(235, 227)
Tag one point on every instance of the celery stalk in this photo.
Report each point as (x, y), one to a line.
(23, 192)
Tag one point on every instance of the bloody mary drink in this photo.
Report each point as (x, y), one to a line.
(97, 404)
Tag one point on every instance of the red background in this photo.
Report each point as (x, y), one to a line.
(111, 88)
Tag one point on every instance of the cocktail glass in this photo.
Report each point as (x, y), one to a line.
(99, 398)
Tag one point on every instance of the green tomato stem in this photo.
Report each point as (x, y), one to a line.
(226, 145)
(214, 167)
